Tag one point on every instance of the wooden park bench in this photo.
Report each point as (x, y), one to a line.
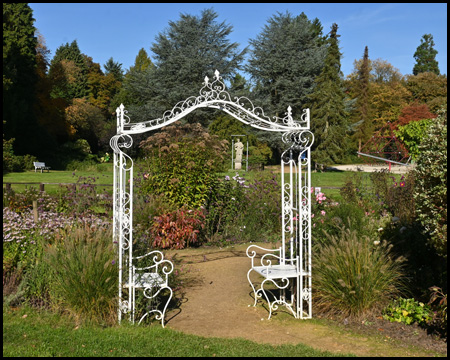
(41, 166)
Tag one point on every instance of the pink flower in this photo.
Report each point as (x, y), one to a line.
(323, 212)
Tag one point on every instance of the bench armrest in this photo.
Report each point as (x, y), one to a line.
(270, 257)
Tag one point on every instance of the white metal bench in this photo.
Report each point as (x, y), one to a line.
(285, 274)
(41, 166)
(153, 279)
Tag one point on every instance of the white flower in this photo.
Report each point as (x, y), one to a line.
(380, 229)
(376, 242)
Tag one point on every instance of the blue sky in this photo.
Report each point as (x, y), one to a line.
(391, 31)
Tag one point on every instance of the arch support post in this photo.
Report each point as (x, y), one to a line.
(123, 215)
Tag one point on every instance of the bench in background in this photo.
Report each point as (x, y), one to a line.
(41, 166)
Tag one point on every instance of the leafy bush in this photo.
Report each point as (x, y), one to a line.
(439, 301)
(412, 134)
(15, 163)
(182, 164)
(394, 196)
(223, 208)
(178, 229)
(262, 215)
(239, 210)
(408, 311)
(85, 274)
(358, 190)
(431, 183)
(354, 275)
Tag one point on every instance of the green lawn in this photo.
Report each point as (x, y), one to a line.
(325, 180)
(41, 333)
(56, 176)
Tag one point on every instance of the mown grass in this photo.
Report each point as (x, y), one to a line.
(42, 333)
(104, 175)
(57, 176)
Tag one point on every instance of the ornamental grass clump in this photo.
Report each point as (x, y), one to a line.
(85, 280)
(355, 275)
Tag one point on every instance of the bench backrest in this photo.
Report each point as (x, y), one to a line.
(38, 164)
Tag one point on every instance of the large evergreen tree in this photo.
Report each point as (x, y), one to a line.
(328, 115)
(19, 79)
(285, 59)
(361, 119)
(188, 50)
(425, 56)
(69, 73)
(114, 68)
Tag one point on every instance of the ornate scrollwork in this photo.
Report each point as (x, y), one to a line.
(213, 94)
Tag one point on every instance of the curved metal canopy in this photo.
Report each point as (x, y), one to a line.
(214, 95)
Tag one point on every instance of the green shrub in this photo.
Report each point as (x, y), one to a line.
(86, 276)
(15, 163)
(182, 164)
(354, 275)
(240, 210)
(262, 214)
(223, 209)
(430, 191)
(408, 311)
(412, 134)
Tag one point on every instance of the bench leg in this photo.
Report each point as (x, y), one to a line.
(159, 315)
(281, 300)
(253, 288)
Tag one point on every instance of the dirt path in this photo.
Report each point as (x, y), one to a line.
(217, 300)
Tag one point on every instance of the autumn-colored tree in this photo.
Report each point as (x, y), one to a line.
(414, 112)
(102, 88)
(428, 88)
(387, 101)
(384, 72)
(86, 121)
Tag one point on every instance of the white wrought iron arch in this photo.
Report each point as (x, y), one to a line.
(295, 197)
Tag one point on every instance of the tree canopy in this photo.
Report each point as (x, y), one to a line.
(328, 114)
(425, 56)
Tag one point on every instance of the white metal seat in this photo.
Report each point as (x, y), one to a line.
(284, 274)
(277, 271)
(153, 279)
(148, 280)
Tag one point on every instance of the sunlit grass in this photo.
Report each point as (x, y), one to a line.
(47, 334)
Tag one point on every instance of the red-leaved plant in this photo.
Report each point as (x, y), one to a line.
(178, 229)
